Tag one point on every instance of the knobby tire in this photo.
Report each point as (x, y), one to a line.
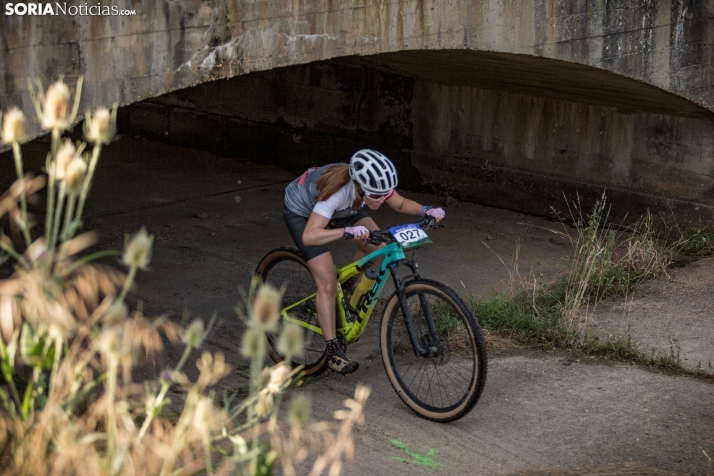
(440, 388)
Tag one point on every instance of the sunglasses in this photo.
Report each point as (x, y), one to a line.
(373, 196)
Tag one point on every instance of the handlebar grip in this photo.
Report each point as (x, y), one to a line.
(348, 236)
(428, 221)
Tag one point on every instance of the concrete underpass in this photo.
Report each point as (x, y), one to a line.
(507, 108)
(541, 411)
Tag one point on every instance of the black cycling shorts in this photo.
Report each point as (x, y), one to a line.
(296, 226)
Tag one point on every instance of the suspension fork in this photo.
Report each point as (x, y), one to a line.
(400, 286)
(436, 344)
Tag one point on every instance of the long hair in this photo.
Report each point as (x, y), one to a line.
(332, 180)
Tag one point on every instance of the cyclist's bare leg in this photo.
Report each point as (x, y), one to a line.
(323, 271)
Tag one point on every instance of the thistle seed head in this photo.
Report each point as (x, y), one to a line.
(251, 343)
(206, 417)
(115, 315)
(277, 377)
(193, 334)
(264, 378)
(290, 340)
(212, 369)
(65, 154)
(99, 128)
(13, 126)
(110, 341)
(56, 112)
(76, 173)
(137, 253)
(62, 322)
(180, 378)
(265, 404)
(266, 308)
(299, 410)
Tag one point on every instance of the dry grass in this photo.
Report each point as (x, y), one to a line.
(496, 342)
(460, 341)
(68, 346)
(606, 260)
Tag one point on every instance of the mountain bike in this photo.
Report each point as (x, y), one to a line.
(432, 347)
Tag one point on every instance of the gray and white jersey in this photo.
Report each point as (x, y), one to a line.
(301, 193)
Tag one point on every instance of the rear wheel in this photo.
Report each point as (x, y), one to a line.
(285, 266)
(446, 384)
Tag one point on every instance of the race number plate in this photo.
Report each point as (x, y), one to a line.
(409, 235)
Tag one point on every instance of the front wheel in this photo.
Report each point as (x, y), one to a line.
(445, 384)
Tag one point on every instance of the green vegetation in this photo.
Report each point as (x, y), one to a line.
(446, 320)
(698, 240)
(537, 318)
(525, 317)
(605, 261)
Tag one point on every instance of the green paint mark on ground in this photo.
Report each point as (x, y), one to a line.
(415, 458)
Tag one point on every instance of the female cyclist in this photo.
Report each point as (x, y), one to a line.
(325, 203)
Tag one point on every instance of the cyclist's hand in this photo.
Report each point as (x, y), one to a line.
(436, 213)
(359, 232)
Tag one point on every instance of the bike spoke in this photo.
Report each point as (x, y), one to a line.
(433, 372)
(450, 378)
(456, 371)
(416, 372)
(443, 388)
(409, 368)
(420, 381)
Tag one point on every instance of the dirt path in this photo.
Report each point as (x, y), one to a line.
(671, 316)
(540, 412)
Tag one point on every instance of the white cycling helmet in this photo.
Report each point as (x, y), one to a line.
(373, 171)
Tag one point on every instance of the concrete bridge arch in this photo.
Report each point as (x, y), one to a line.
(599, 93)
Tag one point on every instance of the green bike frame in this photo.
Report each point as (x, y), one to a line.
(348, 328)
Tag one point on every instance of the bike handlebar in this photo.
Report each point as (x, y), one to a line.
(377, 237)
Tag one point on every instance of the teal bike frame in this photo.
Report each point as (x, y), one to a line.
(350, 328)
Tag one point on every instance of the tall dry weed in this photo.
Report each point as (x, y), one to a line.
(69, 343)
(608, 259)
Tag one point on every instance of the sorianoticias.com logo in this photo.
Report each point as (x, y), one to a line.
(63, 8)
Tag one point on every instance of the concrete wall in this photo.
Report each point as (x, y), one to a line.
(498, 148)
(172, 44)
